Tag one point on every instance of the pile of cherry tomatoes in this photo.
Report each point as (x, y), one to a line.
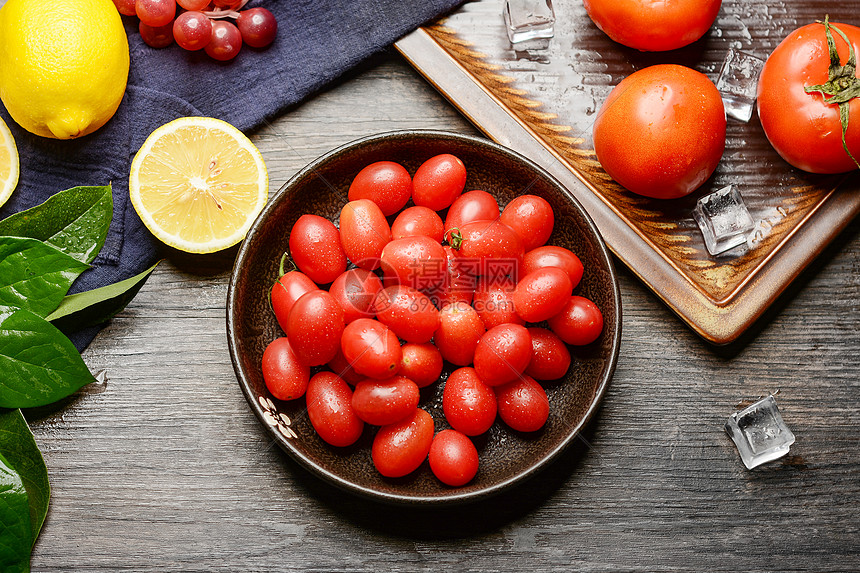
(469, 290)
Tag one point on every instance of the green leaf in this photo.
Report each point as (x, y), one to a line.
(15, 532)
(98, 305)
(39, 365)
(76, 221)
(34, 275)
(19, 448)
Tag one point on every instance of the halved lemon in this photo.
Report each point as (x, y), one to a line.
(198, 184)
(8, 162)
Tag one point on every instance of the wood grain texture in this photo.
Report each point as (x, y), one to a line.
(557, 92)
(165, 468)
(543, 102)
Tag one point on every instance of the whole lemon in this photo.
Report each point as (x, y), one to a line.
(63, 64)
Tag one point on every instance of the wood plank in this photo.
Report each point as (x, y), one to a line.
(165, 468)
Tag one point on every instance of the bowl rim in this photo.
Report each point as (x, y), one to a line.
(455, 497)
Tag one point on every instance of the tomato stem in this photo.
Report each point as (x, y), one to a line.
(842, 85)
(455, 239)
(282, 268)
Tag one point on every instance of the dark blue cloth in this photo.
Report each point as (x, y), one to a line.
(317, 41)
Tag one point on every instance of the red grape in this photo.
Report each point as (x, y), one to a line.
(125, 7)
(155, 13)
(193, 4)
(226, 41)
(156, 36)
(258, 27)
(227, 4)
(192, 30)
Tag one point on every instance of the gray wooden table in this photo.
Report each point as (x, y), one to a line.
(165, 468)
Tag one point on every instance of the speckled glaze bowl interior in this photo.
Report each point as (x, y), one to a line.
(506, 456)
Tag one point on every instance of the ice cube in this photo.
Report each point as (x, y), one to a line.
(738, 83)
(759, 433)
(529, 20)
(724, 219)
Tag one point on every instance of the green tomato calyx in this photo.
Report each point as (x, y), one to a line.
(282, 268)
(455, 239)
(842, 85)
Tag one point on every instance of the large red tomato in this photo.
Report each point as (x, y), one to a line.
(802, 128)
(653, 26)
(661, 132)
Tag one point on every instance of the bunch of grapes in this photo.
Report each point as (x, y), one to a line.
(203, 25)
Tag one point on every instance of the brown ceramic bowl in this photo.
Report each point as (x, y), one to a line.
(506, 456)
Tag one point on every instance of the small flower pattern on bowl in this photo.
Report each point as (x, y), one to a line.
(279, 420)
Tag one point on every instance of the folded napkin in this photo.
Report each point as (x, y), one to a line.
(317, 41)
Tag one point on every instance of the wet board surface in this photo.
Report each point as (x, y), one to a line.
(543, 102)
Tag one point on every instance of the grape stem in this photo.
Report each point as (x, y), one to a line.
(218, 13)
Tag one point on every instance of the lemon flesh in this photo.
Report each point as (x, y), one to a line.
(63, 65)
(8, 163)
(198, 184)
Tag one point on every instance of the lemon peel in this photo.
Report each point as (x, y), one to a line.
(63, 65)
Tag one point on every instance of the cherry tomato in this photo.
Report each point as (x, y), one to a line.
(371, 348)
(386, 183)
(381, 402)
(523, 404)
(341, 366)
(552, 256)
(453, 458)
(498, 247)
(661, 132)
(315, 326)
(803, 129)
(550, 356)
(494, 301)
(531, 217)
(460, 329)
(471, 206)
(503, 354)
(355, 290)
(542, 294)
(421, 363)
(284, 373)
(329, 404)
(416, 221)
(468, 403)
(363, 232)
(316, 249)
(459, 282)
(407, 312)
(438, 182)
(418, 262)
(579, 322)
(287, 291)
(653, 26)
(400, 448)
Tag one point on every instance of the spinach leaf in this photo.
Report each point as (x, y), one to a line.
(35, 276)
(75, 221)
(98, 305)
(19, 448)
(39, 364)
(15, 540)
